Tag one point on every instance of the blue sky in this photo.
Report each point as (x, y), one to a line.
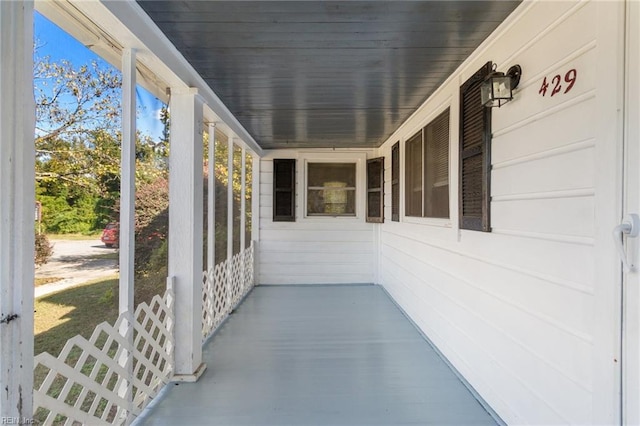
(57, 44)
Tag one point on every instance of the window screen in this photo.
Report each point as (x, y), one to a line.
(436, 170)
(331, 189)
(413, 173)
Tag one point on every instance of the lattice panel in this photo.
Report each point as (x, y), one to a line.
(248, 268)
(236, 278)
(224, 287)
(153, 342)
(208, 301)
(110, 378)
(220, 292)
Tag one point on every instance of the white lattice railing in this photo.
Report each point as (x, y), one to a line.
(111, 377)
(223, 287)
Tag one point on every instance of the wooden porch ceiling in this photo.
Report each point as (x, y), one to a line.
(325, 74)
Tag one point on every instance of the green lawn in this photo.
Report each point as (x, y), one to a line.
(62, 315)
(74, 237)
(78, 310)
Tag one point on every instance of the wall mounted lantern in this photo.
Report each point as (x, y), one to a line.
(496, 89)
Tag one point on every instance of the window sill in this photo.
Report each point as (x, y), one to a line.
(428, 221)
(326, 218)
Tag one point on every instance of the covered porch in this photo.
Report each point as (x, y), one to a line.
(319, 355)
(483, 232)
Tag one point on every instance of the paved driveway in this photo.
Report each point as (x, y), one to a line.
(75, 262)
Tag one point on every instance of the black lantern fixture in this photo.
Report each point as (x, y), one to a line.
(496, 89)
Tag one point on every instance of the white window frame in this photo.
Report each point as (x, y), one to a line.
(430, 221)
(357, 158)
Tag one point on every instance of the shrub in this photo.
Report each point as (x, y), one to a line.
(152, 280)
(44, 249)
(152, 221)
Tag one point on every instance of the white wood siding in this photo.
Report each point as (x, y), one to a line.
(524, 312)
(314, 250)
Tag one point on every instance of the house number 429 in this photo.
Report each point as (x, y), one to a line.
(558, 83)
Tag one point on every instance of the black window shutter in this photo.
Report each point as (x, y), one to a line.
(475, 155)
(284, 190)
(395, 182)
(375, 190)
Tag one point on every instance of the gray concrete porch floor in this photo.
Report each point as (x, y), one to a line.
(319, 355)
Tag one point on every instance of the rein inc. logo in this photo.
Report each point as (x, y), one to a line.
(16, 421)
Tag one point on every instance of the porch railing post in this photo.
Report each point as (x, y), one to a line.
(127, 181)
(17, 204)
(243, 215)
(229, 223)
(186, 230)
(211, 200)
(255, 213)
(127, 217)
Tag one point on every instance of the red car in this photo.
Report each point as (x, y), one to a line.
(110, 235)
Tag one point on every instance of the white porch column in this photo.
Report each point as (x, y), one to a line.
(243, 212)
(211, 200)
(127, 180)
(127, 215)
(230, 200)
(255, 213)
(17, 205)
(185, 230)
(229, 219)
(243, 203)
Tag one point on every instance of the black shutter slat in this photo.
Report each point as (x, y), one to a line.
(395, 182)
(436, 167)
(472, 186)
(440, 128)
(375, 190)
(413, 176)
(475, 155)
(284, 190)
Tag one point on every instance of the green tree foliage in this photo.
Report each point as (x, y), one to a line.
(72, 101)
(78, 145)
(152, 222)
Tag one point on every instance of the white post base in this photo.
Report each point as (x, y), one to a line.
(190, 378)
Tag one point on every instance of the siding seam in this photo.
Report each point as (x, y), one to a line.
(553, 280)
(590, 94)
(546, 195)
(569, 239)
(541, 317)
(522, 382)
(428, 331)
(565, 149)
(565, 60)
(555, 24)
(493, 326)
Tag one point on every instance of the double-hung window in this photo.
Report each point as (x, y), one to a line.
(427, 170)
(331, 189)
